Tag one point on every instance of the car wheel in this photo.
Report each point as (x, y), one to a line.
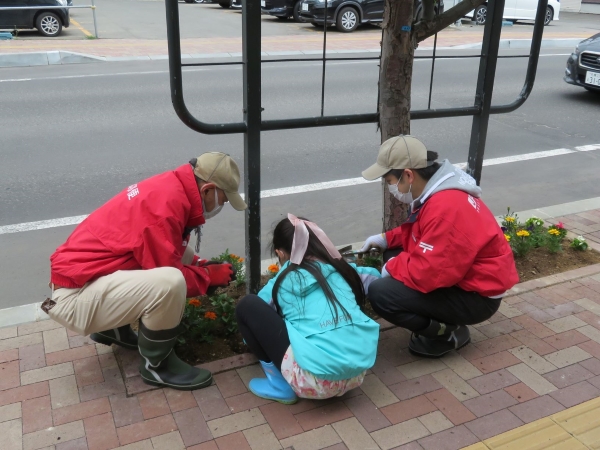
(48, 24)
(480, 15)
(296, 12)
(225, 5)
(282, 17)
(347, 20)
(189, 1)
(549, 16)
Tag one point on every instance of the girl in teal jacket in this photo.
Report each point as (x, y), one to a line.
(306, 325)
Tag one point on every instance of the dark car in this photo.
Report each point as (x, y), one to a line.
(347, 15)
(583, 66)
(49, 22)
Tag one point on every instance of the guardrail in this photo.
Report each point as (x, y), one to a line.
(92, 7)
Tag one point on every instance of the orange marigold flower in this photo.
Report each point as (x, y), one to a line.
(273, 268)
(210, 315)
(195, 302)
(233, 256)
(241, 259)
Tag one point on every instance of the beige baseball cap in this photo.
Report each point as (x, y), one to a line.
(220, 169)
(400, 152)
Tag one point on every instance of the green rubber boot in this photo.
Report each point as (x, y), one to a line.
(123, 336)
(161, 367)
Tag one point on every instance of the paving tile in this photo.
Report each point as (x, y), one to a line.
(46, 373)
(32, 357)
(435, 422)
(233, 441)
(9, 355)
(408, 409)
(470, 352)
(64, 392)
(582, 421)
(108, 361)
(8, 332)
(533, 360)
(535, 327)
(354, 435)
(537, 408)
(592, 365)
(568, 356)
(421, 367)
(213, 405)
(180, 400)
(37, 327)
(55, 340)
(210, 445)
(540, 315)
(387, 372)
(498, 344)
(113, 384)
(313, 440)
(100, 432)
(494, 424)
(169, 441)
(461, 366)
(88, 371)
(80, 411)
(493, 381)
(147, 429)
(9, 375)
(10, 412)
(532, 379)
(489, 403)
(249, 372)
(126, 410)
(588, 331)
(414, 445)
(370, 417)
(192, 426)
(543, 432)
(242, 402)
(230, 384)
(378, 392)
(575, 394)
(535, 300)
(75, 444)
(236, 422)
(399, 434)
(476, 335)
(324, 415)
(53, 435)
(565, 324)
(102, 349)
(281, 420)
(80, 341)
(12, 434)
(451, 439)
(142, 445)
(496, 362)
(415, 387)
(567, 376)
(567, 339)
(37, 414)
(262, 438)
(499, 328)
(508, 310)
(447, 403)
(24, 393)
(564, 310)
(589, 305)
(589, 318)
(154, 404)
(70, 355)
(593, 348)
(455, 385)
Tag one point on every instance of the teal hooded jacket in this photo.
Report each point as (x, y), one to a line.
(329, 347)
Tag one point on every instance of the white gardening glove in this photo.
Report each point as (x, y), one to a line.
(377, 240)
(384, 272)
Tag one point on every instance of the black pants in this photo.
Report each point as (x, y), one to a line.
(263, 329)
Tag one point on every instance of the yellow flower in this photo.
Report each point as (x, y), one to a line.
(195, 302)
(554, 232)
(273, 268)
(507, 237)
(210, 315)
(509, 219)
(523, 233)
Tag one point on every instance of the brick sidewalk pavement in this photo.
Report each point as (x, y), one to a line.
(539, 355)
(310, 42)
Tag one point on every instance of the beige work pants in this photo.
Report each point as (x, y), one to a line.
(156, 296)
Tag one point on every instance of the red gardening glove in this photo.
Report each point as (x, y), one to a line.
(220, 274)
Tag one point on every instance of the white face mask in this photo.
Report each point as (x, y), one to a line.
(401, 196)
(216, 210)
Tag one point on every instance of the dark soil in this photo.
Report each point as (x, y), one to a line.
(537, 263)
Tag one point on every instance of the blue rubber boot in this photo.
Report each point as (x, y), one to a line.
(274, 387)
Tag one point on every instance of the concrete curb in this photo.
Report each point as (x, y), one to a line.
(62, 57)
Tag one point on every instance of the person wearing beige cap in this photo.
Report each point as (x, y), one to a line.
(448, 265)
(130, 260)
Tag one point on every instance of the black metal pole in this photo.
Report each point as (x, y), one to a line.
(251, 30)
(485, 86)
(324, 61)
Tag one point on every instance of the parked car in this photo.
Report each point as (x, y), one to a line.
(49, 22)
(347, 15)
(583, 66)
(229, 3)
(518, 10)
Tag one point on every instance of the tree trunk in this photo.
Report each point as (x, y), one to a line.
(397, 55)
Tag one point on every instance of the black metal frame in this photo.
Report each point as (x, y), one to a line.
(252, 123)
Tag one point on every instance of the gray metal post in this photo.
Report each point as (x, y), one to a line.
(485, 86)
(251, 31)
(94, 15)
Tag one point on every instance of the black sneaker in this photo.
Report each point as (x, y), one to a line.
(439, 346)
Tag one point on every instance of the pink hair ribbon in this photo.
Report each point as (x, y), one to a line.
(300, 242)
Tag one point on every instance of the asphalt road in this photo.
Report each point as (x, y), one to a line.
(73, 136)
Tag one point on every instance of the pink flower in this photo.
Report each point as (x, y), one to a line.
(560, 225)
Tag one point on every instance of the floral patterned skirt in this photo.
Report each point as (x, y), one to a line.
(306, 385)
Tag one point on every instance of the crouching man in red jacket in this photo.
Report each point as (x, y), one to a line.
(130, 260)
(452, 264)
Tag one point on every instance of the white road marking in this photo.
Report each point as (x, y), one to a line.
(65, 221)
